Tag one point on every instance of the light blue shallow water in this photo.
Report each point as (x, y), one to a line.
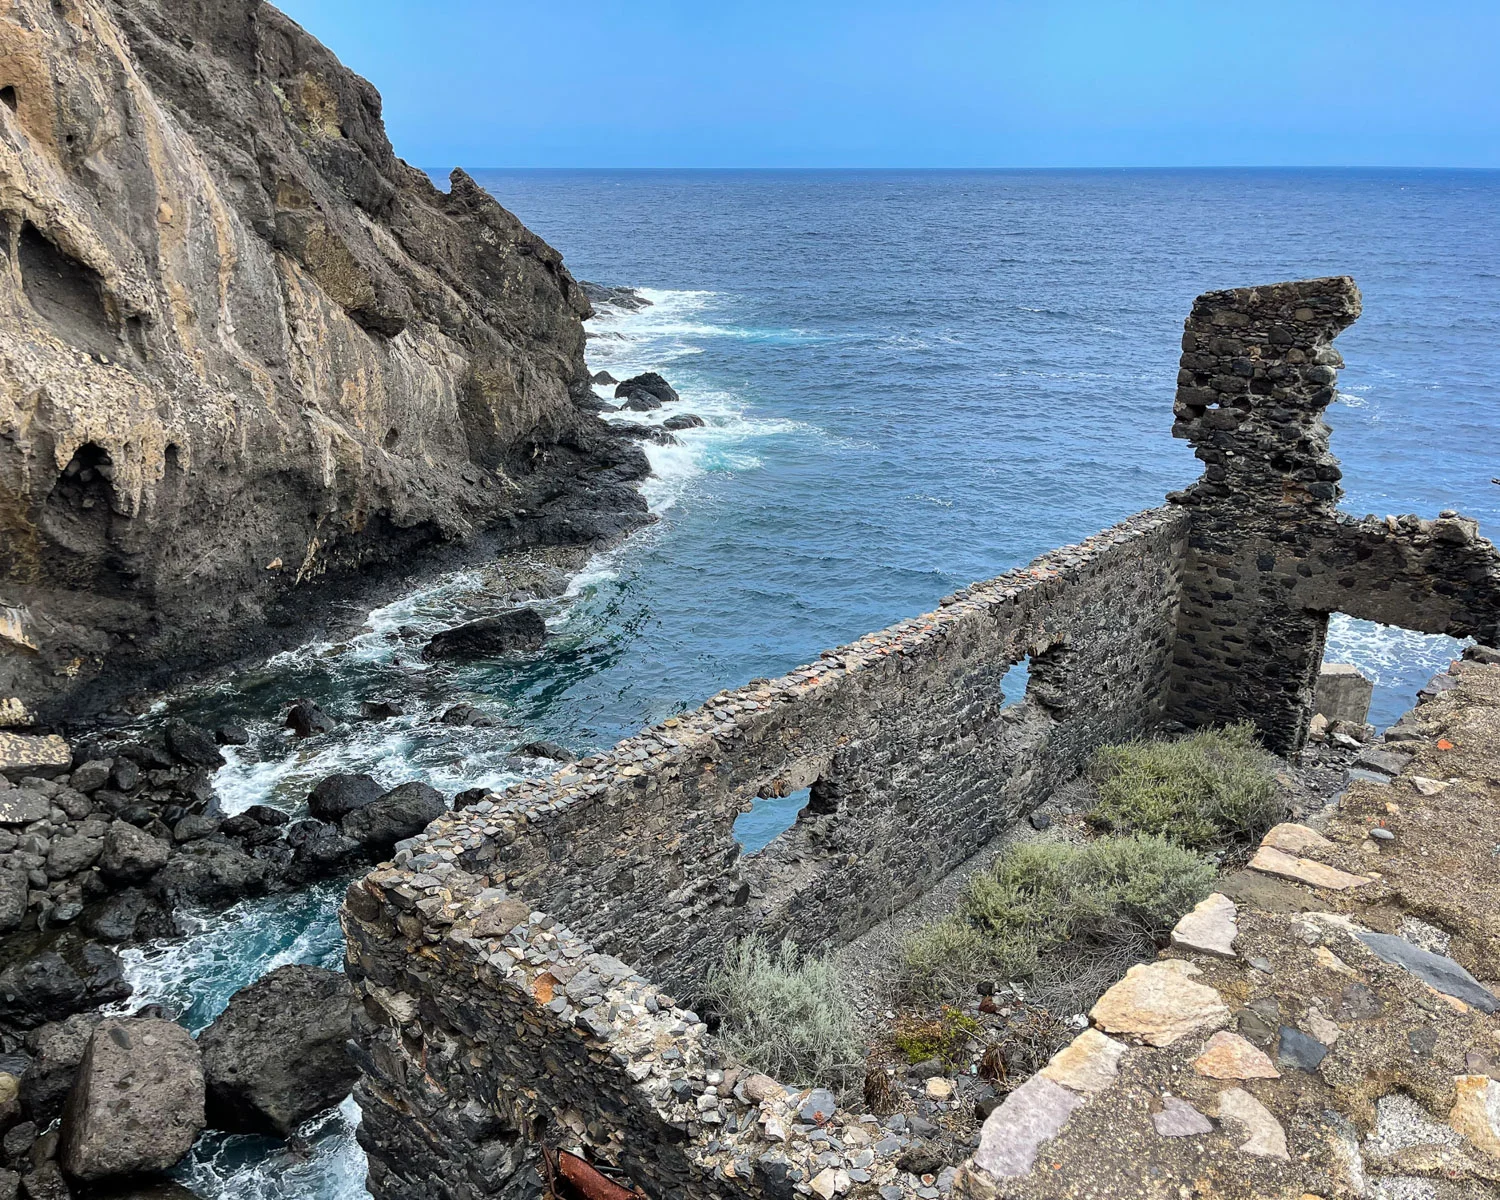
(911, 381)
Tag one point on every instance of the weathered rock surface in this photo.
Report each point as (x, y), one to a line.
(645, 391)
(56, 976)
(137, 1103)
(249, 356)
(339, 795)
(276, 1055)
(402, 812)
(519, 629)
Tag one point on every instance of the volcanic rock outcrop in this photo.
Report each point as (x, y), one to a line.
(248, 357)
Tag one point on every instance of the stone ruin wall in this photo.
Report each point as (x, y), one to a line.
(525, 965)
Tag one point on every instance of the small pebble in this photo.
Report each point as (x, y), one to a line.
(1383, 835)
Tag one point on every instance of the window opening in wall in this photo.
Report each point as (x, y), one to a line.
(1399, 662)
(1014, 682)
(768, 818)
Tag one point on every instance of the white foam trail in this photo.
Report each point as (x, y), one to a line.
(322, 1161)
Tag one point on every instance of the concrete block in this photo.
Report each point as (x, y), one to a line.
(1343, 693)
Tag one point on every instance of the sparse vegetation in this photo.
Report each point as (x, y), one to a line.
(1115, 895)
(785, 1014)
(1206, 791)
(942, 1038)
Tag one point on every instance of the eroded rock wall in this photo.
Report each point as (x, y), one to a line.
(246, 352)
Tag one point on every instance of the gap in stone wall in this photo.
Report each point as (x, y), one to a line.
(769, 817)
(1014, 682)
(1398, 661)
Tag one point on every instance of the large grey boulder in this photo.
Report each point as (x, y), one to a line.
(276, 1055)
(209, 873)
(137, 1103)
(55, 974)
(402, 812)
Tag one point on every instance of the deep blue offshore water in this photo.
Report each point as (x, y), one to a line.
(911, 380)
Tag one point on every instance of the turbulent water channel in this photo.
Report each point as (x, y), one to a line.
(908, 382)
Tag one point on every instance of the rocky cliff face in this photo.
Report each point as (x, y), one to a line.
(248, 356)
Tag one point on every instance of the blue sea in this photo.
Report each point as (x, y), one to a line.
(911, 380)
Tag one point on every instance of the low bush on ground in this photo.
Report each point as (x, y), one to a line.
(1116, 897)
(785, 1014)
(1206, 791)
(943, 1038)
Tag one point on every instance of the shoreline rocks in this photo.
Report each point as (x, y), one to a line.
(646, 391)
(519, 630)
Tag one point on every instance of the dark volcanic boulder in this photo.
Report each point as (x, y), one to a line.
(137, 1103)
(276, 1055)
(51, 976)
(402, 812)
(488, 637)
(209, 872)
(380, 710)
(193, 745)
(232, 735)
(683, 421)
(338, 795)
(14, 889)
(604, 378)
(548, 750)
(640, 390)
(321, 849)
(130, 854)
(56, 1049)
(306, 719)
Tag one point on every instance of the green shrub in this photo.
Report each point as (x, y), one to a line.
(1206, 791)
(784, 1014)
(942, 1038)
(1045, 898)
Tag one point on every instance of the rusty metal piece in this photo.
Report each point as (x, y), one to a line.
(572, 1178)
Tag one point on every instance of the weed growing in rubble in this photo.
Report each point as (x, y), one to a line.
(1205, 791)
(1040, 899)
(785, 1014)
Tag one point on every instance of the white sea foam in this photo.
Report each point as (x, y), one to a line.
(1391, 656)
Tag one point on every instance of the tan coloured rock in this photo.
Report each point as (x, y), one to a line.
(1160, 1004)
(939, 1088)
(1229, 1056)
(1249, 1118)
(1210, 928)
(1476, 1112)
(1087, 1064)
(1295, 839)
(1304, 870)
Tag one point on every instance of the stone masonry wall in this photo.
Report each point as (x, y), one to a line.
(511, 962)
(1270, 556)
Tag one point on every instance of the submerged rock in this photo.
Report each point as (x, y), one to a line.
(276, 1055)
(520, 629)
(466, 714)
(306, 719)
(137, 1103)
(683, 421)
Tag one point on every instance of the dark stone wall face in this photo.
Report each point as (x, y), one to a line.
(913, 759)
(1270, 556)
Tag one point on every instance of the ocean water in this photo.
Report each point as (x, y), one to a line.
(910, 381)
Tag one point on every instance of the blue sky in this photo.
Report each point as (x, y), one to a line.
(725, 83)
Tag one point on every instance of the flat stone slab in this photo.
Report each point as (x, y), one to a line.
(21, 806)
(1087, 1064)
(22, 753)
(1296, 1049)
(1032, 1114)
(1476, 1112)
(1304, 870)
(1436, 970)
(1210, 928)
(1159, 1003)
(1178, 1118)
(1386, 762)
(1248, 1117)
(1229, 1056)
(1296, 839)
